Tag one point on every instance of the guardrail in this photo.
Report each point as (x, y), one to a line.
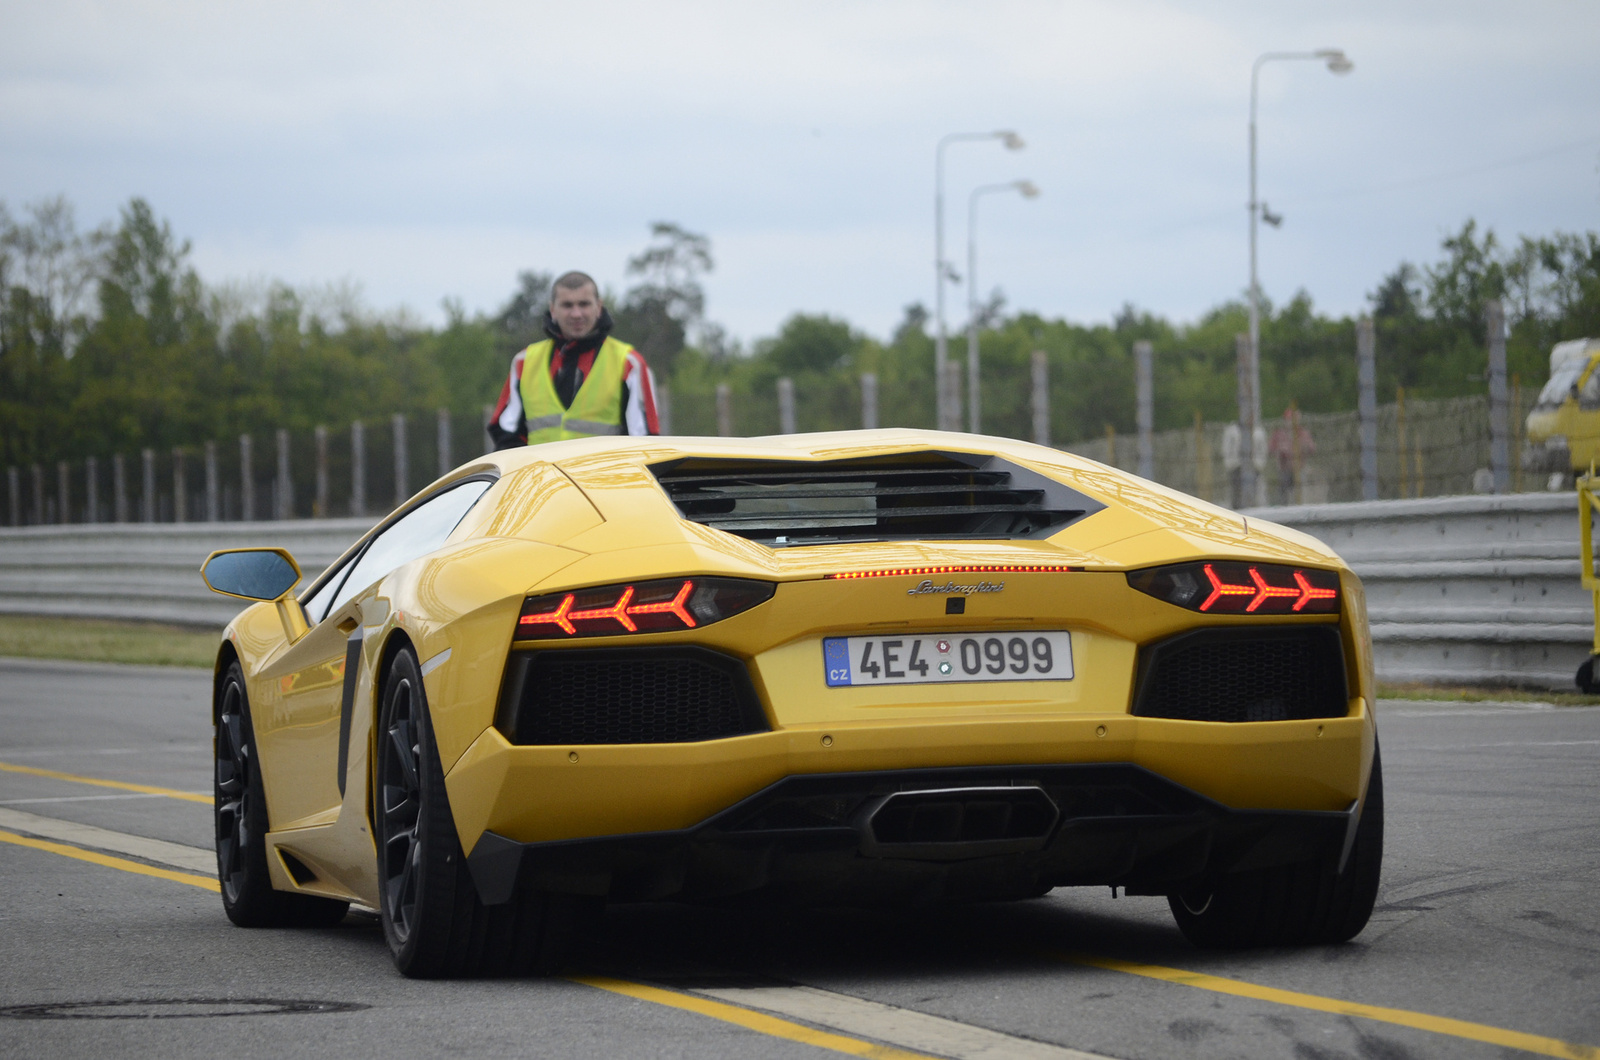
(147, 571)
(1460, 590)
(1464, 590)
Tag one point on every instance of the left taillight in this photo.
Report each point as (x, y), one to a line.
(659, 606)
(1230, 587)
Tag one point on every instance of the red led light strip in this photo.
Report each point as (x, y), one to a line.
(1262, 591)
(902, 571)
(1307, 593)
(563, 615)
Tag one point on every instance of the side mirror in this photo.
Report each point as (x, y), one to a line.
(251, 573)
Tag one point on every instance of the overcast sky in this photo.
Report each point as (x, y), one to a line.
(431, 151)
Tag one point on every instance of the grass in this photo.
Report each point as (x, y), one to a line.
(99, 640)
(1486, 695)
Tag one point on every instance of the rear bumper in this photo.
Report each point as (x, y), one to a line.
(812, 838)
(595, 803)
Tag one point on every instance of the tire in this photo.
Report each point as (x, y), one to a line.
(1310, 903)
(240, 816)
(1585, 679)
(434, 922)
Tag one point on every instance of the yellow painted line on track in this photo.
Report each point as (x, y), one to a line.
(1477, 1032)
(120, 785)
(204, 882)
(759, 1022)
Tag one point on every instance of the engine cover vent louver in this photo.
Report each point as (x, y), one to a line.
(910, 496)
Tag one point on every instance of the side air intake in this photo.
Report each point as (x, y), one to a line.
(910, 496)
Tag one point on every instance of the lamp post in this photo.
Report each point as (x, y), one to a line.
(1337, 63)
(1028, 191)
(941, 269)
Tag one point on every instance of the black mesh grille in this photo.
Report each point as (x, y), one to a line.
(1231, 674)
(608, 696)
(909, 496)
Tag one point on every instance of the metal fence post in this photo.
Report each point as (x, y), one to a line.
(247, 479)
(119, 488)
(14, 488)
(1499, 445)
(1041, 397)
(724, 411)
(445, 463)
(869, 400)
(398, 424)
(1144, 369)
(358, 468)
(91, 480)
(147, 503)
(1367, 405)
(320, 510)
(180, 487)
(786, 405)
(213, 484)
(63, 492)
(1244, 362)
(954, 395)
(488, 418)
(284, 491)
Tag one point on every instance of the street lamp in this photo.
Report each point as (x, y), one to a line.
(1338, 63)
(942, 270)
(1028, 191)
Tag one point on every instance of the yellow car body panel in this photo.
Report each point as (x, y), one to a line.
(569, 515)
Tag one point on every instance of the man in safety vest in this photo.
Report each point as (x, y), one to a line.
(577, 383)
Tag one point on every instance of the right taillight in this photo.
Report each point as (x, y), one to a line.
(1231, 587)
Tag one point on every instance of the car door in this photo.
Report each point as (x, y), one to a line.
(304, 736)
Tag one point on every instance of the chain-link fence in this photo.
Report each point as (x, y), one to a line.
(364, 468)
(1425, 448)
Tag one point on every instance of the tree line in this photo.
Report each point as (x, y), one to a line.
(110, 341)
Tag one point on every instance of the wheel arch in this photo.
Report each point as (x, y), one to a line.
(227, 655)
(394, 643)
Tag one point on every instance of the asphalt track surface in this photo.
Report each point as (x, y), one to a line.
(1485, 943)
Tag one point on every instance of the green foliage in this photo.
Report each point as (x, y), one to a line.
(110, 342)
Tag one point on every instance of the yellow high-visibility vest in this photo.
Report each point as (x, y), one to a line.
(597, 406)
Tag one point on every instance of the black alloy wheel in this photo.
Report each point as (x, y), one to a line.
(400, 768)
(433, 919)
(240, 815)
(1311, 903)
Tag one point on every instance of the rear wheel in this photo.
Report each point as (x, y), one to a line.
(1292, 905)
(1586, 679)
(432, 918)
(240, 814)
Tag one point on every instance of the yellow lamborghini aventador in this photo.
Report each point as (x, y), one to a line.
(859, 667)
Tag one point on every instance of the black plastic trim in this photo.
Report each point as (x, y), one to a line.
(347, 698)
(514, 688)
(801, 839)
(1334, 697)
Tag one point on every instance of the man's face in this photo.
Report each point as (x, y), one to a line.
(576, 310)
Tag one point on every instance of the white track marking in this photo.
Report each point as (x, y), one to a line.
(894, 1026)
(192, 859)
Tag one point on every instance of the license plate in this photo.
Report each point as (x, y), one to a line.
(948, 658)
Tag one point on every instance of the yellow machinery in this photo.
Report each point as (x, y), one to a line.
(1586, 508)
(1564, 425)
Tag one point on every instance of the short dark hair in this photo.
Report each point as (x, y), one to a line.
(572, 281)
